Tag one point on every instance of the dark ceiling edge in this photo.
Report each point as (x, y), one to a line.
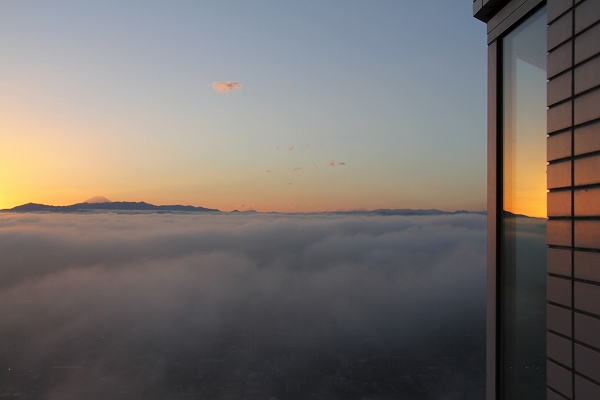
(484, 10)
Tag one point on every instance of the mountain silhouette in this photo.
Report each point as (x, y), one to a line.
(98, 199)
(129, 206)
(95, 205)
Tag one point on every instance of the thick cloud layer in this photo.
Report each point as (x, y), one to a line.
(136, 285)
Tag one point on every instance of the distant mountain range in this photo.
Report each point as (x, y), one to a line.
(408, 211)
(127, 206)
(95, 204)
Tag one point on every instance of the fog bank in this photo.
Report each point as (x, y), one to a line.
(154, 284)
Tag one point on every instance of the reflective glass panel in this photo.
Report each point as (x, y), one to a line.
(523, 254)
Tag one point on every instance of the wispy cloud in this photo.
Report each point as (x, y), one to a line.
(296, 168)
(268, 170)
(224, 87)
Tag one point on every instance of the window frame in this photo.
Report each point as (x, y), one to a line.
(500, 24)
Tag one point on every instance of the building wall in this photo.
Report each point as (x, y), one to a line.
(573, 154)
(573, 286)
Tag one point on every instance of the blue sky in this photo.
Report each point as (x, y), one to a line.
(342, 104)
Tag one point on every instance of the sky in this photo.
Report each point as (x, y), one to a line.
(295, 106)
(138, 290)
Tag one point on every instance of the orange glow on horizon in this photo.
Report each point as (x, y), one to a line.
(529, 197)
(50, 161)
(280, 204)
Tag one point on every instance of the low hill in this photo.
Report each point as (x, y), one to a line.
(132, 207)
(408, 212)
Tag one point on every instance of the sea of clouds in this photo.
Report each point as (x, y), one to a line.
(174, 281)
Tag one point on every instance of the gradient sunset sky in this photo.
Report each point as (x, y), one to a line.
(269, 105)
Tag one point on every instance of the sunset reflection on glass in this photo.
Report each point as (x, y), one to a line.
(523, 263)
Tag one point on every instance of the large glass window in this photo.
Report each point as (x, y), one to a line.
(523, 238)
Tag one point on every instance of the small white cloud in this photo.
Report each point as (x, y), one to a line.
(224, 87)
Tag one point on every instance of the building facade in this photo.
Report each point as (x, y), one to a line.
(543, 198)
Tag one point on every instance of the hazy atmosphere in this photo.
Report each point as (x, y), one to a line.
(123, 306)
